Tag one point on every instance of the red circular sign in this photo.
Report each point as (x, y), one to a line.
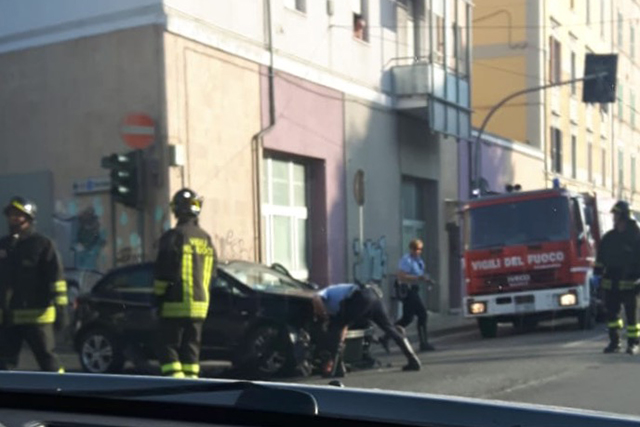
(138, 131)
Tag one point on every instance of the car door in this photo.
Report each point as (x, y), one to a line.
(135, 288)
(228, 316)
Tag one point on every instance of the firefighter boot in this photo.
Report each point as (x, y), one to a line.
(424, 341)
(632, 347)
(414, 363)
(614, 342)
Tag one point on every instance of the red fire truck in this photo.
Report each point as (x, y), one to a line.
(529, 257)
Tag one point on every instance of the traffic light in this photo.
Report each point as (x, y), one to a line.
(600, 90)
(125, 177)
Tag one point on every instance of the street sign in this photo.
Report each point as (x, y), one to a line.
(138, 131)
(92, 185)
(602, 89)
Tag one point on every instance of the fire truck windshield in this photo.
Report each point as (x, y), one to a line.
(518, 223)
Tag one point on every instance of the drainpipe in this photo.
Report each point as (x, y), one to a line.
(257, 140)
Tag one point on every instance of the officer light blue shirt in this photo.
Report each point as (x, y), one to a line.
(333, 295)
(411, 265)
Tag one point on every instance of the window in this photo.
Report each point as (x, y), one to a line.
(573, 74)
(602, 12)
(462, 34)
(620, 169)
(603, 166)
(135, 280)
(556, 150)
(632, 114)
(299, 5)
(440, 38)
(620, 31)
(555, 64)
(413, 211)
(633, 174)
(574, 157)
(572, 4)
(620, 105)
(360, 18)
(590, 162)
(285, 215)
(588, 12)
(632, 43)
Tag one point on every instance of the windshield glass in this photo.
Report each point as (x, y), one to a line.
(519, 223)
(261, 278)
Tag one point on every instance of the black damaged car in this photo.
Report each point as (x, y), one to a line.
(260, 319)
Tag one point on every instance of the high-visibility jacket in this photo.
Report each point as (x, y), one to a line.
(31, 279)
(618, 258)
(184, 267)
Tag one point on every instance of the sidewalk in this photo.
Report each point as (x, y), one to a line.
(441, 324)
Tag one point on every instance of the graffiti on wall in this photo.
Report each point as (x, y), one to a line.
(80, 235)
(370, 260)
(231, 247)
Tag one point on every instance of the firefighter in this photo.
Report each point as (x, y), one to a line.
(618, 263)
(345, 305)
(185, 265)
(33, 292)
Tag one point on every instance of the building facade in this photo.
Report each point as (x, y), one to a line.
(534, 43)
(271, 115)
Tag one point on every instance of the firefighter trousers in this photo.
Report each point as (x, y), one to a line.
(39, 337)
(614, 300)
(179, 347)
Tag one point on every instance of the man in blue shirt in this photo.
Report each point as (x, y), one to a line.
(344, 305)
(411, 273)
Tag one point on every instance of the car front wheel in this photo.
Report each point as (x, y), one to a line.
(267, 353)
(100, 353)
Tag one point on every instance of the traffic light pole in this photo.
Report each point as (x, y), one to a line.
(476, 182)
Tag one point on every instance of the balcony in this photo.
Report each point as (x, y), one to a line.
(424, 90)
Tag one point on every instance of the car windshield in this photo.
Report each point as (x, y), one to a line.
(341, 165)
(262, 278)
(519, 223)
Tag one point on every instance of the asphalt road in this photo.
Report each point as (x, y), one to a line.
(555, 365)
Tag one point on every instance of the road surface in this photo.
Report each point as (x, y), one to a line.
(555, 365)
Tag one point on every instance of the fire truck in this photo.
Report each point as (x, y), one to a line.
(529, 257)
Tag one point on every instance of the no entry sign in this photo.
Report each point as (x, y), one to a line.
(138, 131)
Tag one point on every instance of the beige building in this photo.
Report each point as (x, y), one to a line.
(524, 44)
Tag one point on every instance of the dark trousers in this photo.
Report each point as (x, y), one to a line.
(413, 306)
(41, 340)
(363, 305)
(614, 300)
(179, 347)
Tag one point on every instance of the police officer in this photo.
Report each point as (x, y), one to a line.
(347, 304)
(618, 263)
(411, 273)
(184, 268)
(33, 292)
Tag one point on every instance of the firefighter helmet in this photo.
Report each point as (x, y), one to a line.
(622, 208)
(23, 205)
(186, 203)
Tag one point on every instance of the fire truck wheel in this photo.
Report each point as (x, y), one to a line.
(488, 327)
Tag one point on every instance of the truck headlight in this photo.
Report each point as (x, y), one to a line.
(568, 299)
(477, 308)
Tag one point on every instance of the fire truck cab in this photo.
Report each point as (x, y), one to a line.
(529, 257)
